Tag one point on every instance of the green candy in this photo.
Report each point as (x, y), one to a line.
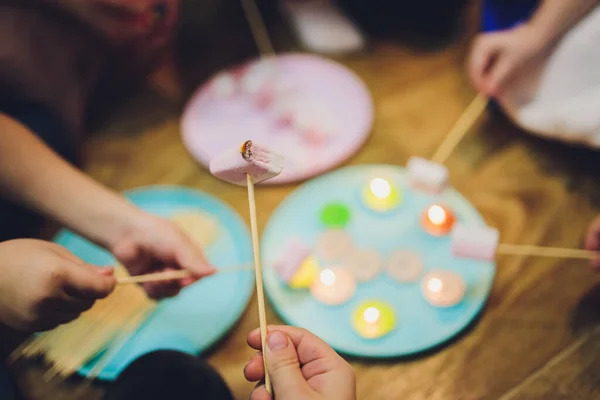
(335, 215)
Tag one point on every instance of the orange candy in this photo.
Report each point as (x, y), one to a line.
(438, 220)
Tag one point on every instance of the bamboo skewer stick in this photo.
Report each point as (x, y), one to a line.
(262, 316)
(541, 251)
(172, 275)
(460, 128)
(258, 29)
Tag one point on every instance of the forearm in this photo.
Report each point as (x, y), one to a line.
(35, 176)
(556, 17)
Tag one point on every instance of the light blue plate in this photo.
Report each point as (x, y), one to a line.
(203, 313)
(420, 326)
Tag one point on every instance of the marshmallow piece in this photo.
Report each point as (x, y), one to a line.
(365, 264)
(258, 161)
(303, 113)
(296, 267)
(258, 76)
(427, 175)
(475, 242)
(333, 245)
(224, 85)
(262, 82)
(305, 275)
(322, 26)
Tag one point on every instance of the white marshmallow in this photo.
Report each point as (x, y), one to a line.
(224, 85)
(427, 175)
(258, 77)
(477, 242)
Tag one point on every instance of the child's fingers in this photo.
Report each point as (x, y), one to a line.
(260, 393)
(592, 238)
(482, 55)
(87, 282)
(160, 290)
(498, 77)
(69, 304)
(254, 339)
(254, 371)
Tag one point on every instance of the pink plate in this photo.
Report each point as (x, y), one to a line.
(313, 111)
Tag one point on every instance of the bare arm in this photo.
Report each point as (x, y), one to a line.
(32, 174)
(556, 17)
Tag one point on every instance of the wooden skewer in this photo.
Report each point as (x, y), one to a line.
(117, 344)
(460, 129)
(541, 251)
(172, 275)
(262, 316)
(258, 29)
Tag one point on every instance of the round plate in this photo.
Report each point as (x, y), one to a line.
(420, 326)
(211, 125)
(204, 312)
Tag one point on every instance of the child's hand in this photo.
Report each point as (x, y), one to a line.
(43, 285)
(497, 57)
(156, 244)
(592, 240)
(301, 367)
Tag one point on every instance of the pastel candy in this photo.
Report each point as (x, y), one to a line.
(427, 175)
(258, 161)
(334, 245)
(477, 242)
(404, 265)
(292, 257)
(365, 264)
(305, 275)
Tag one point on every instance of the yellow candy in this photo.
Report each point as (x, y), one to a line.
(305, 275)
(381, 195)
(374, 319)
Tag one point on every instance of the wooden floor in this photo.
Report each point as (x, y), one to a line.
(538, 337)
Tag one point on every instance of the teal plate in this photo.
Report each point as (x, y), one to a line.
(419, 325)
(203, 313)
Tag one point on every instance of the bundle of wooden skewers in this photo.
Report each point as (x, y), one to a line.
(106, 325)
(104, 329)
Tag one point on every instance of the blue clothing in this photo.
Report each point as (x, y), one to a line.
(505, 14)
(7, 389)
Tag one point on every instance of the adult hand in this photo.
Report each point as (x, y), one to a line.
(301, 367)
(43, 285)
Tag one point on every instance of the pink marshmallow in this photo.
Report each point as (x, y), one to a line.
(477, 242)
(427, 175)
(292, 257)
(258, 161)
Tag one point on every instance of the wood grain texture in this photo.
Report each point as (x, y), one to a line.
(537, 338)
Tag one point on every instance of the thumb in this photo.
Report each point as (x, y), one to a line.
(283, 366)
(89, 282)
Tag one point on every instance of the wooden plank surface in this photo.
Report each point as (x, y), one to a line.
(536, 338)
